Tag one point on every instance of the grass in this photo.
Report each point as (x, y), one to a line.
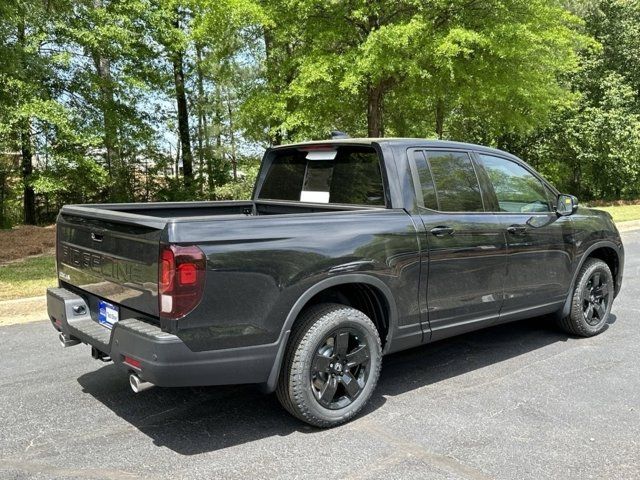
(622, 213)
(27, 278)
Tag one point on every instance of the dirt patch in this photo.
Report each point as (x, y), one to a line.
(26, 241)
(23, 311)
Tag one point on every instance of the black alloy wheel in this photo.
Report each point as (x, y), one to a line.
(340, 368)
(595, 299)
(331, 366)
(591, 300)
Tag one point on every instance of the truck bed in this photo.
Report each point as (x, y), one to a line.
(111, 250)
(176, 210)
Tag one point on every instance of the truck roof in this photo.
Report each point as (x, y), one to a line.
(397, 142)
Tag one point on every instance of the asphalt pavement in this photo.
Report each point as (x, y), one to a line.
(518, 401)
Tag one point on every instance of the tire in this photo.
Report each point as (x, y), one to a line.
(331, 365)
(591, 301)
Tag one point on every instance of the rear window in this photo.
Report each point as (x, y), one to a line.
(346, 174)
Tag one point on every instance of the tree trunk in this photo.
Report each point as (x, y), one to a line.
(183, 112)
(178, 150)
(204, 144)
(232, 138)
(200, 155)
(577, 174)
(375, 95)
(29, 197)
(26, 163)
(439, 119)
(274, 138)
(107, 105)
(216, 159)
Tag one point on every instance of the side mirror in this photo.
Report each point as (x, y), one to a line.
(567, 204)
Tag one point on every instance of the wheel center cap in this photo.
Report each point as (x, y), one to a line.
(338, 367)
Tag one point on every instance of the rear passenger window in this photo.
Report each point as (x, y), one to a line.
(454, 182)
(517, 189)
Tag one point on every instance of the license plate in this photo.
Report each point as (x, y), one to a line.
(107, 314)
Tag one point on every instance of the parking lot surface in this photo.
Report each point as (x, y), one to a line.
(518, 401)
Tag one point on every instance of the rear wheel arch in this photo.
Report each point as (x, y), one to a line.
(361, 296)
(346, 289)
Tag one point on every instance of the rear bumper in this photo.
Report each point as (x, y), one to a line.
(164, 359)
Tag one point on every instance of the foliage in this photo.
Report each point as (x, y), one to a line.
(242, 188)
(143, 100)
(10, 205)
(592, 147)
(416, 68)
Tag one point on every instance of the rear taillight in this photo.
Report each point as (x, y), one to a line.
(181, 276)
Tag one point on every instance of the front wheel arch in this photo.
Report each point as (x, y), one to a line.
(589, 253)
(591, 300)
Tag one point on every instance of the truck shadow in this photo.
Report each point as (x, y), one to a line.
(190, 421)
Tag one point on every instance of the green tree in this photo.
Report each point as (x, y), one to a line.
(415, 68)
(113, 66)
(29, 89)
(591, 146)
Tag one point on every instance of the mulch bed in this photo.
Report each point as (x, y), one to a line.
(26, 241)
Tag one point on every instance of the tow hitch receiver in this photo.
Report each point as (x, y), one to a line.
(67, 342)
(98, 355)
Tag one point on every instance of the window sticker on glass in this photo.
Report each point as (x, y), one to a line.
(314, 197)
(317, 183)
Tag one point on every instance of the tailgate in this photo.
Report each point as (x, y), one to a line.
(114, 259)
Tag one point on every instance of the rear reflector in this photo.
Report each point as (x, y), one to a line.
(181, 277)
(132, 362)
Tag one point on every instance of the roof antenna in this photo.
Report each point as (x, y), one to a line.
(336, 134)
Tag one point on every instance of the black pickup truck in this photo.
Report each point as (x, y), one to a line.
(349, 250)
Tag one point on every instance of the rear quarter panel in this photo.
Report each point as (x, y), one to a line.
(258, 267)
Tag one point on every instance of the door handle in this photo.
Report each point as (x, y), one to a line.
(517, 229)
(441, 231)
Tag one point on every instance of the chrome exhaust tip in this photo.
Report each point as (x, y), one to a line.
(70, 342)
(138, 385)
